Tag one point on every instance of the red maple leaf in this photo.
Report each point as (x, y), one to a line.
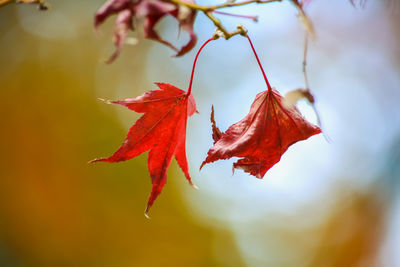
(162, 130)
(260, 138)
(152, 11)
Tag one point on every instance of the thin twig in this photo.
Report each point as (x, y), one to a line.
(305, 60)
(218, 24)
(253, 18)
(304, 19)
(224, 5)
(307, 90)
(234, 4)
(41, 4)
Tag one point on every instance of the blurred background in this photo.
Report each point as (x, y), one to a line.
(324, 204)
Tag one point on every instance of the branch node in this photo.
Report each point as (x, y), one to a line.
(241, 30)
(217, 34)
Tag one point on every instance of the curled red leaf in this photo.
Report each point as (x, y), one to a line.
(260, 138)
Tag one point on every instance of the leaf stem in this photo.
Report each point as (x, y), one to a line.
(254, 18)
(259, 63)
(194, 64)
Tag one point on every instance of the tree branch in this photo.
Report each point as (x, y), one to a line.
(41, 4)
(208, 10)
(224, 5)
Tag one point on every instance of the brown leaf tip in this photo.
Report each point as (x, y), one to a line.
(193, 185)
(105, 100)
(202, 165)
(146, 211)
(95, 160)
(216, 132)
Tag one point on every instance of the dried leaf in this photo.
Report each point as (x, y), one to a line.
(292, 97)
(152, 11)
